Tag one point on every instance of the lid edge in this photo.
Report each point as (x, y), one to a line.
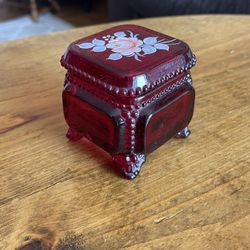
(129, 92)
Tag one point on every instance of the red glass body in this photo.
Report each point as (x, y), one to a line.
(126, 106)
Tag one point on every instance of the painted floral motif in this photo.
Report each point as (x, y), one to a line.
(127, 45)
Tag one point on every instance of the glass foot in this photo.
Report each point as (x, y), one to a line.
(73, 135)
(129, 164)
(184, 133)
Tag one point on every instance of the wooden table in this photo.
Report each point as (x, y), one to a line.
(191, 194)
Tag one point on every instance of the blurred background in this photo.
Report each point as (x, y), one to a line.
(23, 18)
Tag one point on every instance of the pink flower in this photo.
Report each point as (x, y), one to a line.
(125, 45)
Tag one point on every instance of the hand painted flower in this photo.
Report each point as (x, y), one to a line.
(125, 45)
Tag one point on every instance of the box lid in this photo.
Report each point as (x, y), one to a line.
(128, 60)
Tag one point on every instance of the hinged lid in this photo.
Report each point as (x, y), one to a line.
(128, 59)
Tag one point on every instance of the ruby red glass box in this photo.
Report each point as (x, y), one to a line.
(128, 89)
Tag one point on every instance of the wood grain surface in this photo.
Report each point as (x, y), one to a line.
(190, 194)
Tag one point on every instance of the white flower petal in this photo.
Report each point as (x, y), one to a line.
(98, 42)
(99, 48)
(120, 34)
(115, 56)
(150, 40)
(85, 45)
(148, 49)
(130, 51)
(162, 46)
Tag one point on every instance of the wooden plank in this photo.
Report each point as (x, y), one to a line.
(191, 193)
